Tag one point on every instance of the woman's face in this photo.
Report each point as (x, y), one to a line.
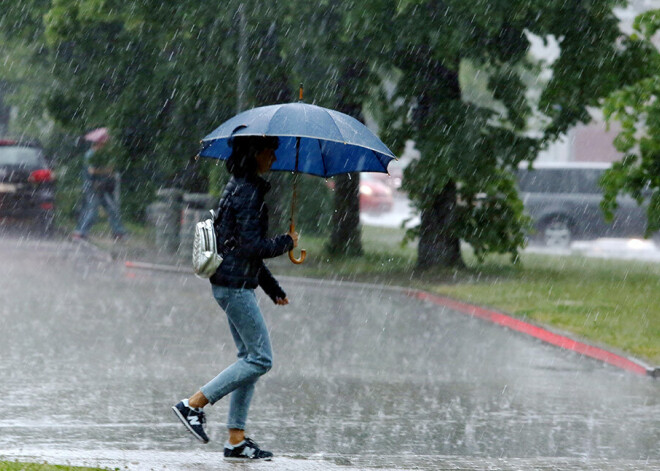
(265, 159)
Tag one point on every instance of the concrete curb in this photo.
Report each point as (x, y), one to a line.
(629, 364)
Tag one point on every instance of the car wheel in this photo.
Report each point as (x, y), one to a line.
(557, 233)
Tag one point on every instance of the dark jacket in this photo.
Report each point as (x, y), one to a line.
(241, 229)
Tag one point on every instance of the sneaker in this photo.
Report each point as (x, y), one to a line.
(246, 450)
(78, 236)
(193, 419)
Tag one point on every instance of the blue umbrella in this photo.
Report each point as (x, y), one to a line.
(313, 140)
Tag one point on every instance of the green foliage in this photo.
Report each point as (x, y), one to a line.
(69, 189)
(105, 156)
(486, 219)
(647, 24)
(636, 108)
(24, 75)
(313, 205)
(18, 466)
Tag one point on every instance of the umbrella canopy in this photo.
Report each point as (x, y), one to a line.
(312, 139)
(98, 135)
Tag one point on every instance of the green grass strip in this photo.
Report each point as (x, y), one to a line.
(18, 466)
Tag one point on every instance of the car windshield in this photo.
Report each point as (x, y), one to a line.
(560, 180)
(18, 155)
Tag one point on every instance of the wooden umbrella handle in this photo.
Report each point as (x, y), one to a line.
(303, 253)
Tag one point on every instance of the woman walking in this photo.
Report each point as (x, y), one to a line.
(241, 226)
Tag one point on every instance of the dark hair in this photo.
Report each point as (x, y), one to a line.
(244, 149)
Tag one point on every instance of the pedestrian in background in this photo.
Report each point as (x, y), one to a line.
(99, 186)
(241, 229)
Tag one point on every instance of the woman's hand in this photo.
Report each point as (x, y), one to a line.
(282, 302)
(294, 235)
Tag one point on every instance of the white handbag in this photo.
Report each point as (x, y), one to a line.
(205, 256)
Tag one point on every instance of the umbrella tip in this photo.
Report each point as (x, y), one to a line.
(300, 96)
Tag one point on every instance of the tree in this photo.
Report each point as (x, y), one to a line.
(157, 74)
(637, 108)
(463, 183)
(24, 78)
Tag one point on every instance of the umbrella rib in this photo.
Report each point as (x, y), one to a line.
(380, 162)
(336, 126)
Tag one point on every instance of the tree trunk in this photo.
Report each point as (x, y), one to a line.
(346, 237)
(437, 244)
(4, 110)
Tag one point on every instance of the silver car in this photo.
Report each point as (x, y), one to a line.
(563, 199)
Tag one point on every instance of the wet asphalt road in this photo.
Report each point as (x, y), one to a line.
(94, 354)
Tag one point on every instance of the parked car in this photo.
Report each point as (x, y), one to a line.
(563, 200)
(375, 196)
(27, 184)
(392, 180)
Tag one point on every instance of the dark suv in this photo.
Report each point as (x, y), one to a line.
(27, 184)
(564, 198)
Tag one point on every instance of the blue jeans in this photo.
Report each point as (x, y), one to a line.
(92, 200)
(255, 356)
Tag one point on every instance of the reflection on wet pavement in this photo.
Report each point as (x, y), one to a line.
(95, 354)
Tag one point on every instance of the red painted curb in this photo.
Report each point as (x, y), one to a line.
(534, 331)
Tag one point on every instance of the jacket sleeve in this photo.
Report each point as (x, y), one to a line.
(251, 243)
(269, 284)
